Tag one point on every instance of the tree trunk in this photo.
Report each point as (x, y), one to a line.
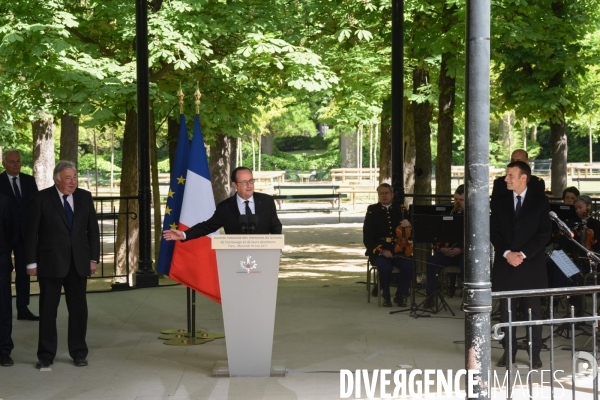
(409, 149)
(220, 154)
(348, 150)
(155, 188)
(558, 134)
(69, 138)
(173, 135)
(128, 187)
(445, 132)
(266, 143)
(43, 150)
(534, 133)
(385, 144)
(234, 150)
(423, 113)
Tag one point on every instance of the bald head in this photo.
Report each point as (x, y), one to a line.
(519, 155)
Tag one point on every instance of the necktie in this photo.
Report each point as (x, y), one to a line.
(16, 189)
(68, 210)
(248, 210)
(518, 207)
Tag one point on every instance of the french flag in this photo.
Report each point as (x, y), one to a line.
(194, 263)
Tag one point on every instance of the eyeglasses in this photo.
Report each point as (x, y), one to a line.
(246, 183)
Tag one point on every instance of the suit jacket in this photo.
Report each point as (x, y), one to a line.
(527, 233)
(535, 184)
(380, 226)
(28, 189)
(51, 244)
(227, 216)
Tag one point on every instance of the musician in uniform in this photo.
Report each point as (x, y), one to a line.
(379, 237)
(446, 254)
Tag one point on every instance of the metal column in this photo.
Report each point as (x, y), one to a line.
(477, 294)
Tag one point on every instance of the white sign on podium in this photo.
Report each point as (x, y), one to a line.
(248, 272)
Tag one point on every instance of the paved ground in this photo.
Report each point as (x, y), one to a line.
(323, 324)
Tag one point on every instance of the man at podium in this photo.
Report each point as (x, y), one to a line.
(244, 212)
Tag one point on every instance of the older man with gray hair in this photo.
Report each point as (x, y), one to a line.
(62, 248)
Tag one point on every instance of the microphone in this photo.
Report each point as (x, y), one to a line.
(252, 223)
(243, 221)
(560, 224)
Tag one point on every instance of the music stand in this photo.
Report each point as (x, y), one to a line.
(433, 228)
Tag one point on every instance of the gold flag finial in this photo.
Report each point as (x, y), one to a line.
(197, 95)
(181, 96)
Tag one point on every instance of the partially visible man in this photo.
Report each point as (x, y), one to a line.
(227, 215)
(19, 188)
(379, 237)
(6, 234)
(62, 248)
(519, 230)
(535, 184)
(445, 256)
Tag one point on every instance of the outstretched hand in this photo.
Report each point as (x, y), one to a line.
(173, 234)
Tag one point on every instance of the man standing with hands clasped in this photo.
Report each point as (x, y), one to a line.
(520, 228)
(62, 248)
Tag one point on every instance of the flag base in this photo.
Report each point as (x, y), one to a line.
(145, 280)
(221, 369)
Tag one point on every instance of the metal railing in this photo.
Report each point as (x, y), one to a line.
(565, 323)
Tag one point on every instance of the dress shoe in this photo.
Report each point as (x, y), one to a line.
(27, 316)
(400, 300)
(536, 361)
(387, 303)
(80, 362)
(43, 364)
(502, 362)
(6, 361)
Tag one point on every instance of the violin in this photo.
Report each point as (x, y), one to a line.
(587, 237)
(403, 244)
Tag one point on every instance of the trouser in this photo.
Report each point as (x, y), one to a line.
(526, 303)
(22, 280)
(75, 296)
(6, 343)
(385, 266)
(439, 261)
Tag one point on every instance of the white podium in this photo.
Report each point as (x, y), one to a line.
(248, 272)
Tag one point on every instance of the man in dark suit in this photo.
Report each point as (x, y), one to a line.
(227, 215)
(19, 188)
(62, 247)
(379, 238)
(535, 183)
(519, 230)
(6, 234)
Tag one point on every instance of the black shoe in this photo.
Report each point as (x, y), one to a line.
(27, 316)
(375, 291)
(80, 362)
(400, 300)
(536, 362)
(6, 361)
(43, 364)
(502, 362)
(387, 303)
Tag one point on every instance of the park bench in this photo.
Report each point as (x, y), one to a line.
(321, 193)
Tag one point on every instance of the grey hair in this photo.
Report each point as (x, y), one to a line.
(10, 151)
(61, 166)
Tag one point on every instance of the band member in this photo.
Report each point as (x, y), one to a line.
(520, 228)
(446, 254)
(569, 195)
(380, 238)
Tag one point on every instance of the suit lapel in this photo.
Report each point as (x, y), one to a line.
(54, 196)
(79, 207)
(6, 184)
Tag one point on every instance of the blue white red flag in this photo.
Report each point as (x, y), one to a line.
(194, 262)
(174, 197)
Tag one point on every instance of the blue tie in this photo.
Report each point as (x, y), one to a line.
(16, 189)
(248, 210)
(68, 210)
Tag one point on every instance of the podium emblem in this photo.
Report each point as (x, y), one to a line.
(249, 264)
